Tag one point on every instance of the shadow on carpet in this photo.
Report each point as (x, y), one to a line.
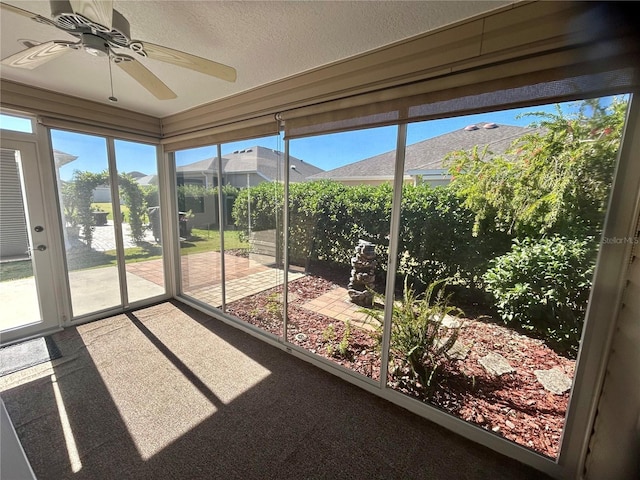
(19, 356)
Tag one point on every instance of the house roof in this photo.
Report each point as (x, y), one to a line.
(428, 155)
(136, 174)
(266, 162)
(61, 158)
(147, 180)
(205, 165)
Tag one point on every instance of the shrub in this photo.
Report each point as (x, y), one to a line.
(259, 208)
(79, 194)
(327, 219)
(134, 197)
(543, 286)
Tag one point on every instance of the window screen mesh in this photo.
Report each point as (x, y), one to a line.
(501, 93)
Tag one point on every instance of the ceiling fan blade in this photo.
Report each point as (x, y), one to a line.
(19, 11)
(148, 80)
(35, 56)
(186, 60)
(28, 14)
(99, 11)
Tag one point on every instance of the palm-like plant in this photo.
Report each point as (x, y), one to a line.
(419, 340)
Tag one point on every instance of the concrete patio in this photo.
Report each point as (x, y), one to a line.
(96, 289)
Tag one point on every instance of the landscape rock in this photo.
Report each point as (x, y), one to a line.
(451, 322)
(459, 350)
(495, 364)
(553, 380)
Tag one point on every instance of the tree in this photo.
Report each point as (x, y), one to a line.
(555, 180)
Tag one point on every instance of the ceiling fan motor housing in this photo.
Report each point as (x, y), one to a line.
(119, 35)
(95, 45)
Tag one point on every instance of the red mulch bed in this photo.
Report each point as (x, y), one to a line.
(514, 405)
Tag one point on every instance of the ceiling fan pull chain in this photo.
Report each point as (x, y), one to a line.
(111, 98)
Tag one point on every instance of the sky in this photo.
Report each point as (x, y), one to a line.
(325, 151)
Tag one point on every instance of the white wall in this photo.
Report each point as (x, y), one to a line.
(614, 449)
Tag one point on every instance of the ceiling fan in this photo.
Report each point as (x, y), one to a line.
(103, 31)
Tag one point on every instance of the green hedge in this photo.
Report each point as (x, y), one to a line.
(437, 238)
(328, 218)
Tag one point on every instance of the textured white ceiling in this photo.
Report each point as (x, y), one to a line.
(263, 40)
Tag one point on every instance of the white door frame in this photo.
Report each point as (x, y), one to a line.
(36, 175)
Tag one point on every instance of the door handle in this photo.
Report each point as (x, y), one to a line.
(40, 248)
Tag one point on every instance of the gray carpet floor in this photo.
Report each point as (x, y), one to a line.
(167, 392)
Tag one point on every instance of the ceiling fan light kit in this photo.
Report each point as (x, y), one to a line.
(101, 32)
(94, 45)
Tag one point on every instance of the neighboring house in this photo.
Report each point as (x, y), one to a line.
(61, 158)
(424, 161)
(242, 168)
(145, 180)
(245, 168)
(14, 241)
(102, 194)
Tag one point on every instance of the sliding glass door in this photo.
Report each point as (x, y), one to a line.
(110, 215)
(231, 207)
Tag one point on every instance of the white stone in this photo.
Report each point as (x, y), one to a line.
(553, 380)
(495, 364)
(459, 350)
(451, 322)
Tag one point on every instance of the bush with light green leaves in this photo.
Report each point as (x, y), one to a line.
(542, 286)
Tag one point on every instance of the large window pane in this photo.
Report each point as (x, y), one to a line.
(500, 229)
(339, 237)
(247, 256)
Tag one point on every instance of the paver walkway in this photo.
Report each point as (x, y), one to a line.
(104, 237)
(201, 279)
(201, 275)
(337, 304)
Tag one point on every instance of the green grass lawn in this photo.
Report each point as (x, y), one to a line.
(199, 242)
(209, 240)
(15, 270)
(106, 207)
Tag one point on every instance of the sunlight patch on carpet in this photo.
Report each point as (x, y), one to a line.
(69, 439)
(177, 375)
